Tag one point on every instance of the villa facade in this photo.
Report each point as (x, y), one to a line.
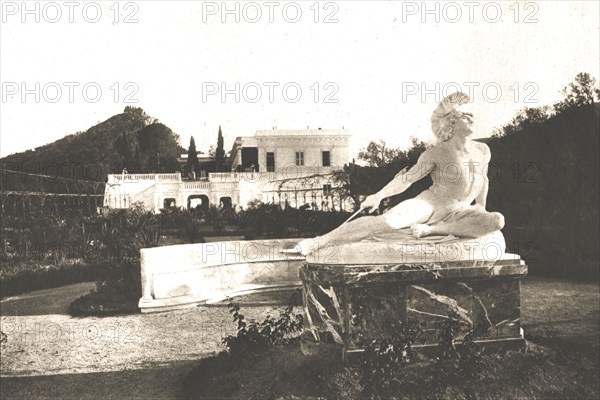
(286, 167)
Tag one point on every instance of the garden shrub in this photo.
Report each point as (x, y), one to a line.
(255, 338)
(120, 237)
(37, 276)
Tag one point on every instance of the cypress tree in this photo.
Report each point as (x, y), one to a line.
(220, 152)
(192, 161)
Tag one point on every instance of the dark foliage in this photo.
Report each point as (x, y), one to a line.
(49, 276)
(131, 140)
(384, 163)
(220, 153)
(583, 91)
(255, 338)
(192, 160)
(44, 246)
(117, 292)
(119, 238)
(261, 220)
(382, 363)
(283, 373)
(545, 182)
(159, 149)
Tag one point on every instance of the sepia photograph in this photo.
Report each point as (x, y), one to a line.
(305, 199)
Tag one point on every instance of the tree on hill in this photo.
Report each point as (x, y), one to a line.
(128, 146)
(159, 149)
(527, 118)
(139, 112)
(583, 90)
(134, 110)
(220, 152)
(377, 154)
(192, 160)
(128, 140)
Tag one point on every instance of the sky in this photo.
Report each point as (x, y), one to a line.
(375, 68)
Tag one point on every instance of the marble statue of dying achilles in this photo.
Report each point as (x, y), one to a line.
(454, 205)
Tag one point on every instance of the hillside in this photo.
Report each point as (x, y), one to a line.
(131, 140)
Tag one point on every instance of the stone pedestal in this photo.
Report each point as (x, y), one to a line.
(347, 305)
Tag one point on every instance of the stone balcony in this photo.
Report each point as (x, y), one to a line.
(131, 178)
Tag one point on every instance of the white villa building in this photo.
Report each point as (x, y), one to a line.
(286, 167)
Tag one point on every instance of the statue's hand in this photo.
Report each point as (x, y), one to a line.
(371, 202)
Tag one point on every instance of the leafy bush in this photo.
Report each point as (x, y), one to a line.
(119, 292)
(273, 221)
(456, 363)
(119, 238)
(382, 363)
(383, 371)
(35, 276)
(255, 338)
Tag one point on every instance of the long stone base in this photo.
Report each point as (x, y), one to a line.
(347, 306)
(181, 276)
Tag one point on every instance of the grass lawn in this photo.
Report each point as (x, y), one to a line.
(539, 372)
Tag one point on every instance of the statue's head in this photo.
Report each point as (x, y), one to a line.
(450, 117)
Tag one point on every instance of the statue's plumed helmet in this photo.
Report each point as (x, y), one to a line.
(446, 114)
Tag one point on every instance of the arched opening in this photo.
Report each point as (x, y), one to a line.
(225, 202)
(169, 203)
(197, 200)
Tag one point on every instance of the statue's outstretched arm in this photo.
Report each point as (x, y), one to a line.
(404, 178)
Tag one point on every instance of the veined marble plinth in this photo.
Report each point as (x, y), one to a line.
(399, 246)
(180, 276)
(349, 304)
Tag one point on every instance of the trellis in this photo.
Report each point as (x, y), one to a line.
(307, 190)
(83, 195)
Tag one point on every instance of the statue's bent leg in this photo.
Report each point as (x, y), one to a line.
(403, 215)
(407, 213)
(474, 224)
(355, 230)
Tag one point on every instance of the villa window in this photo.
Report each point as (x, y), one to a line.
(326, 155)
(270, 162)
(299, 158)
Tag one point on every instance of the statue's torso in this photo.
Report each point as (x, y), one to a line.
(458, 178)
